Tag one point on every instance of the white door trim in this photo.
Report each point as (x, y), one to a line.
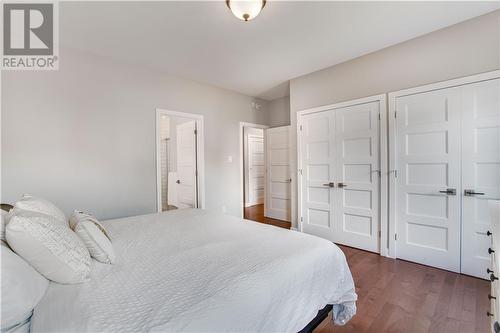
(242, 164)
(392, 96)
(200, 164)
(383, 160)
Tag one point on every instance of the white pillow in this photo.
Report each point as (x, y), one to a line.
(51, 247)
(94, 236)
(38, 205)
(22, 288)
(3, 223)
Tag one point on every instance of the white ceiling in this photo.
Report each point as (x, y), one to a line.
(202, 41)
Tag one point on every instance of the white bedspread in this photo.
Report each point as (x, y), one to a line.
(192, 270)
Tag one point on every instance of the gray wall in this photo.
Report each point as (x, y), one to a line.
(84, 136)
(464, 49)
(278, 112)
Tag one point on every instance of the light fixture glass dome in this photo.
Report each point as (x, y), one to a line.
(246, 10)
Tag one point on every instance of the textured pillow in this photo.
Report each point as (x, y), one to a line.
(38, 205)
(94, 236)
(3, 222)
(22, 289)
(51, 247)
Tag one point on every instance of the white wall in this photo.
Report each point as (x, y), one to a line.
(464, 49)
(278, 112)
(84, 136)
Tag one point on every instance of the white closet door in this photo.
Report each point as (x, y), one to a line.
(186, 164)
(318, 171)
(356, 206)
(428, 163)
(480, 171)
(255, 170)
(278, 178)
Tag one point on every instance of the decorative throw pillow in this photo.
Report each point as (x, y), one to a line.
(38, 205)
(51, 247)
(22, 289)
(3, 223)
(94, 236)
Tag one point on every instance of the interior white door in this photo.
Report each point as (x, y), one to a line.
(278, 173)
(317, 151)
(428, 178)
(255, 170)
(480, 171)
(356, 198)
(186, 165)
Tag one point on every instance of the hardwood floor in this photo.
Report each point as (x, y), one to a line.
(256, 213)
(400, 296)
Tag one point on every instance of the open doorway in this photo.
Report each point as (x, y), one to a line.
(257, 178)
(179, 160)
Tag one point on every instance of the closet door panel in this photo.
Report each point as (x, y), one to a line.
(428, 164)
(480, 171)
(356, 206)
(318, 171)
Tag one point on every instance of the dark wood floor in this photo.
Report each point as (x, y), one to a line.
(400, 296)
(256, 213)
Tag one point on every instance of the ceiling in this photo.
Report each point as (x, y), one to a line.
(202, 41)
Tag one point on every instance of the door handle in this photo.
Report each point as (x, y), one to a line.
(178, 181)
(470, 193)
(449, 191)
(289, 180)
(341, 185)
(329, 184)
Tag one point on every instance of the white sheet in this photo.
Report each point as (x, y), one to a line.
(192, 270)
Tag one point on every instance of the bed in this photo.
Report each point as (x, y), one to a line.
(195, 271)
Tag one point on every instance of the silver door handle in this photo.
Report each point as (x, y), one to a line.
(329, 184)
(470, 193)
(341, 185)
(449, 191)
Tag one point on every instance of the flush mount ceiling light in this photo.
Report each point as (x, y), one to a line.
(246, 10)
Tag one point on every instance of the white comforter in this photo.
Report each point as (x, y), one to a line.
(192, 270)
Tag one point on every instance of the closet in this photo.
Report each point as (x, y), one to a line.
(416, 189)
(446, 165)
(339, 172)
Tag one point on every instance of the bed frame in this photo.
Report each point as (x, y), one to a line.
(322, 314)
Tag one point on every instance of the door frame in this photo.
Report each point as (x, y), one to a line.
(242, 163)
(200, 154)
(392, 96)
(383, 158)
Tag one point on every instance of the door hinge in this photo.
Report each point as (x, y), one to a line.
(301, 219)
(300, 128)
(300, 171)
(195, 132)
(395, 112)
(379, 116)
(379, 234)
(395, 237)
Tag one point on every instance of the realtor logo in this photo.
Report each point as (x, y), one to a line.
(29, 36)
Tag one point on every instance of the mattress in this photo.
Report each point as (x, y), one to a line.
(196, 271)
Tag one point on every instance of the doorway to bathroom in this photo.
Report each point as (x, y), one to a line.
(179, 159)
